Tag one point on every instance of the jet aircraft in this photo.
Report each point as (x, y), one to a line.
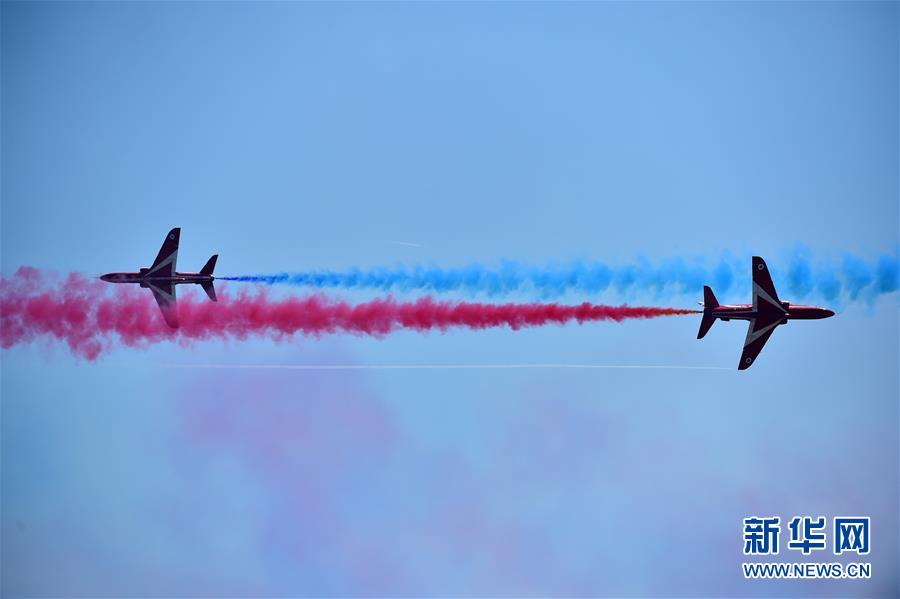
(161, 278)
(765, 314)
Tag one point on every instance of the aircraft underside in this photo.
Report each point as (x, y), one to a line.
(765, 314)
(161, 278)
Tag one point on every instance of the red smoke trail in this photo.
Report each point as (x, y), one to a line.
(89, 316)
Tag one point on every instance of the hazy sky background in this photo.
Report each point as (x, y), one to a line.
(294, 136)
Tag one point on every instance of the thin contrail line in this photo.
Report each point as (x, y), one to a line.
(439, 366)
(408, 244)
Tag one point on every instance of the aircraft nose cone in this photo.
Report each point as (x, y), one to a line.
(104, 278)
(829, 313)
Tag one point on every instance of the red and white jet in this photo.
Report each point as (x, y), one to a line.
(766, 313)
(161, 278)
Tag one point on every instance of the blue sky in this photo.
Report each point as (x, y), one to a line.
(298, 136)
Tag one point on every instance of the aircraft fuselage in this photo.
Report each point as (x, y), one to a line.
(142, 278)
(747, 312)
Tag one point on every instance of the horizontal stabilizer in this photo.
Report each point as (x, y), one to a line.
(706, 324)
(709, 302)
(209, 289)
(210, 265)
(709, 298)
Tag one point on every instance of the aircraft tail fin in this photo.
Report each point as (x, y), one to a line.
(709, 302)
(210, 265)
(209, 289)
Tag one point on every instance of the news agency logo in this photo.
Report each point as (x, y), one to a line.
(851, 534)
(761, 536)
(807, 535)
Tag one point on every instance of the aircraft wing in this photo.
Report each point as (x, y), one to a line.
(765, 298)
(761, 328)
(164, 293)
(164, 265)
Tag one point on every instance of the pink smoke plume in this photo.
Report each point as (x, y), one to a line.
(88, 316)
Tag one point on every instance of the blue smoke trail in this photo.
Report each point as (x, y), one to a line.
(803, 277)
